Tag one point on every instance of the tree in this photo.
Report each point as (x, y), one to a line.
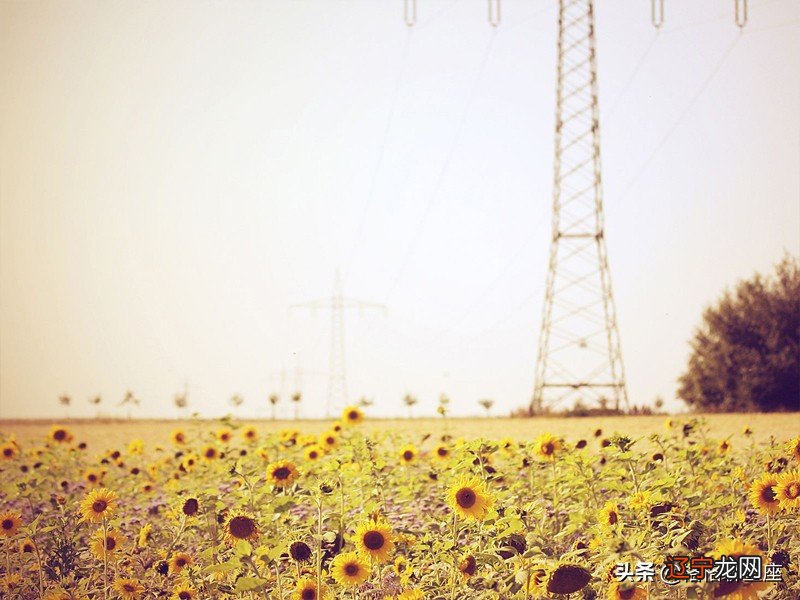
(236, 401)
(129, 400)
(409, 401)
(746, 353)
(487, 404)
(296, 398)
(65, 400)
(95, 400)
(273, 402)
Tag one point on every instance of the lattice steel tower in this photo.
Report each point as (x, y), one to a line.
(579, 354)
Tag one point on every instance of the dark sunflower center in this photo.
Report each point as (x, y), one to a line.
(330, 440)
(627, 594)
(612, 518)
(27, 548)
(374, 540)
(181, 562)
(8, 524)
(7, 452)
(548, 448)
(184, 596)
(129, 587)
(725, 588)
(92, 477)
(59, 435)
(190, 507)
(210, 453)
(281, 473)
(179, 437)
(793, 491)
(312, 454)
(351, 569)
(99, 506)
(767, 494)
(442, 451)
(242, 527)
(466, 498)
(309, 594)
(468, 565)
(111, 543)
(408, 455)
(352, 415)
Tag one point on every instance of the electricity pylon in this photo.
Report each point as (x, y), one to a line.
(337, 303)
(579, 357)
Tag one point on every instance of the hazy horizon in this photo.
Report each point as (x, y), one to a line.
(175, 175)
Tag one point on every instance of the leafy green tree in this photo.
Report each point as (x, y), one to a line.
(746, 352)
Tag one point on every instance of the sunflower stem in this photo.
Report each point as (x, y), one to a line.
(769, 533)
(555, 497)
(105, 560)
(319, 543)
(39, 570)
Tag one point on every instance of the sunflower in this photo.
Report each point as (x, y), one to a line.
(618, 590)
(408, 454)
(403, 569)
(27, 546)
(147, 487)
(11, 582)
(468, 566)
(762, 494)
(183, 591)
(567, 579)
(608, 516)
(60, 593)
(352, 415)
(307, 590)
(300, 551)
(145, 535)
(282, 473)
(60, 434)
(179, 561)
(470, 499)
(329, 440)
(224, 435)
(348, 569)
(129, 589)
(723, 447)
(240, 527)
(9, 451)
(9, 524)
(249, 434)
(641, 500)
(336, 426)
(190, 507)
(136, 446)
(441, 452)
(106, 545)
(189, 462)
(313, 453)
(178, 437)
(373, 539)
(788, 489)
(793, 446)
(547, 446)
(210, 453)
(738, 590)
(98, 504)
(93, 477)
(410, 594)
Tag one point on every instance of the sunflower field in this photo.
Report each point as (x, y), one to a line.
(224, 510)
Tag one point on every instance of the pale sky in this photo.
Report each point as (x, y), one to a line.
(174, 175)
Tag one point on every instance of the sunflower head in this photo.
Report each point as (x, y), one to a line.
(190, 507)
(618, 590)
(10, 523)
(98, 504)
(329, 440)
(210, 453)
(763, 496)
(60, 434)
(441, 452)
(734, 548)
(468, 566)
(183, 591)
(787, 489)
(352, 415)
(105, 545)
(724, 447)
(470, 499)
(567, 579)
(313, 453)
(300, 551)
(249, 434)
(547, 446)
(241, 527)
(793, 447)
(307, 590)
(408, 455)
(373, 540)
(179, 561)
(349, 569)
(224, 435)
(282, 473)
(9, 451)
(608, 516)
(129, 589)
(178, 437)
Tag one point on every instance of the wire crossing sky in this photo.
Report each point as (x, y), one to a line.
(175, 175)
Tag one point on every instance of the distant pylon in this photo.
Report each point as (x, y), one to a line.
(579, 357)
(337, 303)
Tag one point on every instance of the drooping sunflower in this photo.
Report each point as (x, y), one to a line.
(129, 589)
(608, 516)
(618, 590)
(793, 446)
(300, 551)
(190, 507)
(470, 499)
(60, 434)
(307, 590)
(441, 452)
(468, 566)
(373, 540)
(547, 446)
(788, 490)
(348, 569)
(738, 590)
(352, 415)
(249, 434)
(9, 451)
(762, 494)
(179, 561)
(282, 473)
(408, 454)
(9, 524)
(183, 591)
(210, 453)
(105, 546)
(98, 504)
(567, 579)
(313, 453)
(241, 527)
